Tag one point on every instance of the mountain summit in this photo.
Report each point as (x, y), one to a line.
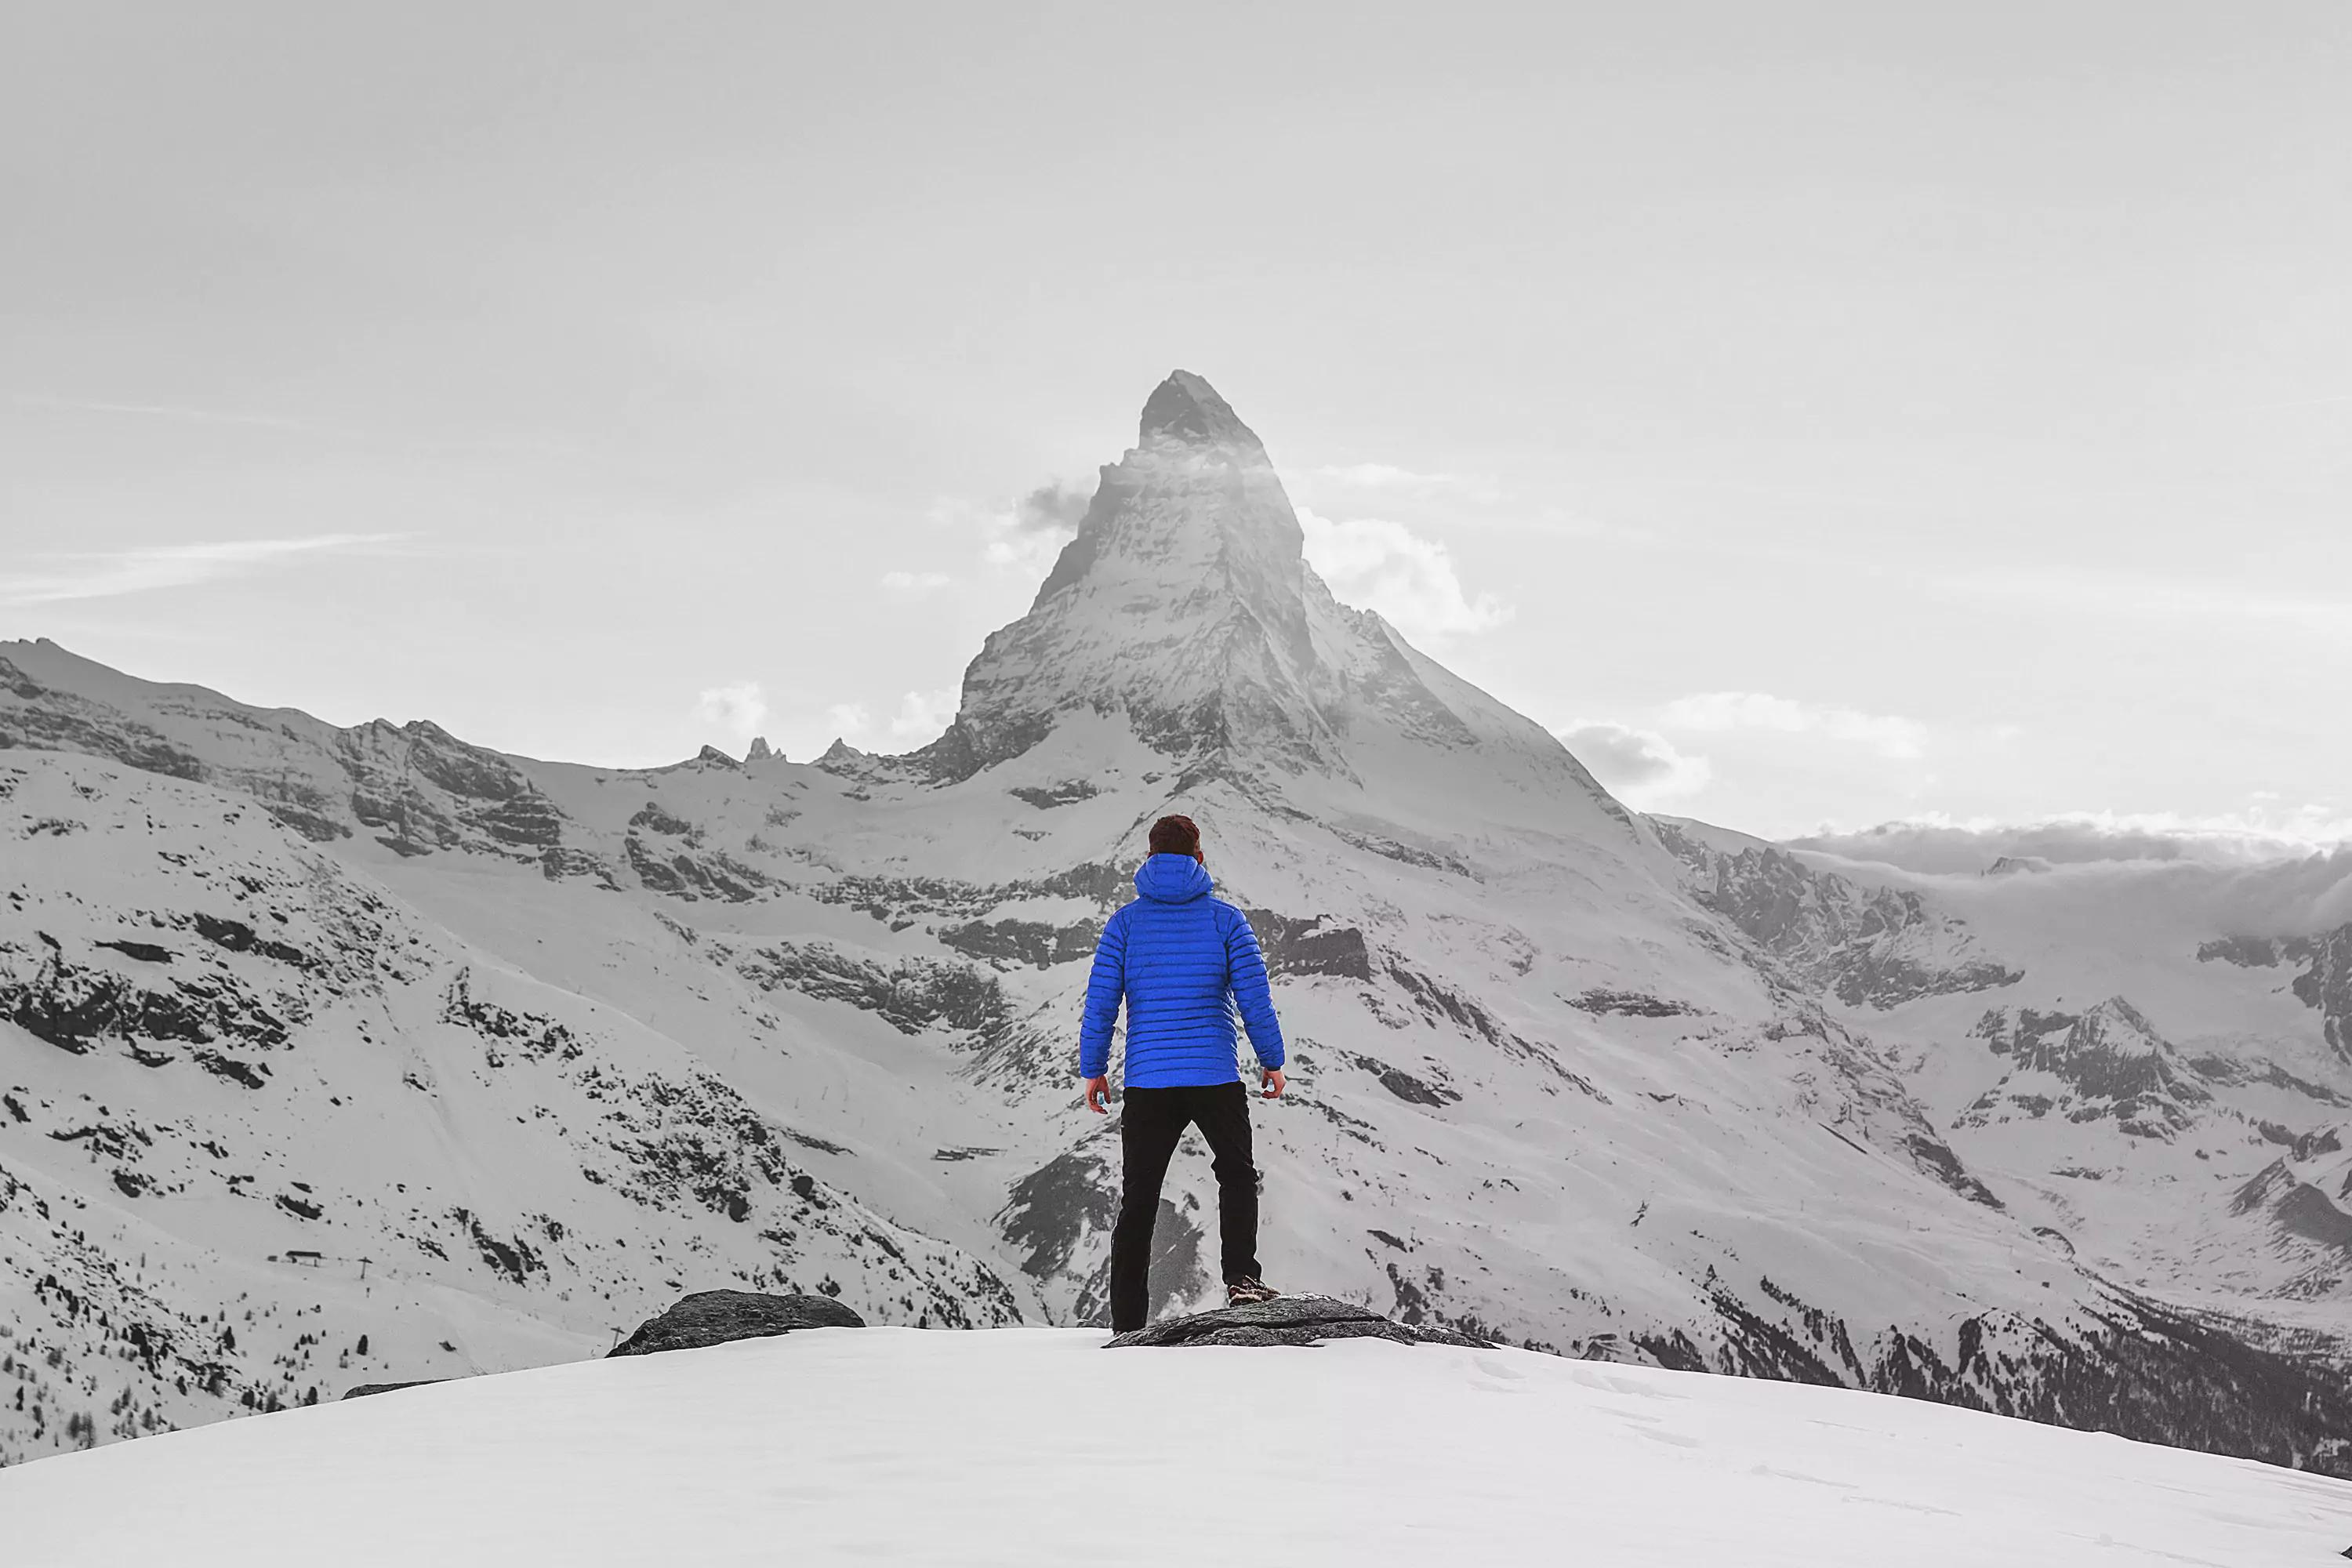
(1185, 614)
(1185, 408)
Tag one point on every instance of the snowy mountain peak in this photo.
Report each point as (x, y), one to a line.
(1186, 408)
(1185, 611)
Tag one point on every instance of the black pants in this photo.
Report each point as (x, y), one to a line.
(1152, 1123)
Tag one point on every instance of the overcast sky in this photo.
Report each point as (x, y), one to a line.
(1824, 414)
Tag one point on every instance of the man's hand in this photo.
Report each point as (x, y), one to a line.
(1099, 1096)
(1273, 1083)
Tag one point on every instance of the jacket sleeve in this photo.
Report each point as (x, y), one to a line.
(1245, 970)
(1105, 987)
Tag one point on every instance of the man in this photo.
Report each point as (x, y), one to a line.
(1185, 964)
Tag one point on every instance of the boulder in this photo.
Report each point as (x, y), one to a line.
(362, 1390)
(715, 1317)
(1290, 1321)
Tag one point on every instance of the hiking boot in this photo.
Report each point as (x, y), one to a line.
(1242, 1292)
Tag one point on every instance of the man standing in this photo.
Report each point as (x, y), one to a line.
(1185, 964)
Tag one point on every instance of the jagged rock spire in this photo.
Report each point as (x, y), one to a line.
(1185, 606)
(1186, 408)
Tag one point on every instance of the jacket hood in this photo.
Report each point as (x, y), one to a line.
(1171, 879)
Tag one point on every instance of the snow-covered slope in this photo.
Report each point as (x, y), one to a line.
(554, 1042)
(2165, 1056)
(1035, 1447)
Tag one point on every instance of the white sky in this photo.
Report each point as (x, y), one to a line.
(1830, 412)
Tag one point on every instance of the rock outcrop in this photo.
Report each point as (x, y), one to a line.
(715, 1317)
(1874, 947)
(362, 1390)
(1289, 1320)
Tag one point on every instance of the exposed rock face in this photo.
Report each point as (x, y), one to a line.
(414, 787)
(715, 1317)
(1290, 1321)
(1877, 947)
(2108, 1064)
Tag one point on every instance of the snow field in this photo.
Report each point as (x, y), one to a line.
(1031, 1447)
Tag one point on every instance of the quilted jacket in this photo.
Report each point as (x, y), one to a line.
(1189, 969)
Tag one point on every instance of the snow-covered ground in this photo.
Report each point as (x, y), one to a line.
(1032, 1446)
(331, 1056)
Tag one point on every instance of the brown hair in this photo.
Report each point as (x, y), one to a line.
(1176, 836)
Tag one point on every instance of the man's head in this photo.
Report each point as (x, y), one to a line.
(1176, 836)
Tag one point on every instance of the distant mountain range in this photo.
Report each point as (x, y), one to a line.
(338, 1056)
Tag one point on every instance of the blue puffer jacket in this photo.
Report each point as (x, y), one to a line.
(1186, 964)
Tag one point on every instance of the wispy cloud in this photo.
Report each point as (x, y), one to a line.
(2077, 591)
(105, 575)
(1391, 480)
(182, 413)
(923, 715)
(914, 585)
(1409, 580)
(2263, 829)
(1715, 711)
(1019, 538)
(1641, 767)
(737, 709)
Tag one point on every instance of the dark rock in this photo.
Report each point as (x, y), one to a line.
(1308, 946)
(239, 937)
(1052, 1208)
(1630, 1003)
(715, 1317)
(365, 1389)
(1068, 793)
(1289, 1320)
(1024, 942)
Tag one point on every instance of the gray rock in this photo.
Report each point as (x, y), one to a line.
(365, 1389)
(1290, 1321)
(715, 1317)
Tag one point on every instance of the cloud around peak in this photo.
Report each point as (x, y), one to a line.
(1409, 580)
(737, 709)
(1641, 767)
(1939, 845)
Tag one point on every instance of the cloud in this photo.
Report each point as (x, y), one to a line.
(913, 584)
(1937, 844)
(1053, 508)
(1022, 538)
(140, 569)
(1717, 711)
(158, 411)
(1408, 580)
(2171, 601)
(923, 715)
(736, 709)
(1387, 477)
(1641, 767)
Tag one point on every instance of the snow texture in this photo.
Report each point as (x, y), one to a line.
(1030, 1449)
